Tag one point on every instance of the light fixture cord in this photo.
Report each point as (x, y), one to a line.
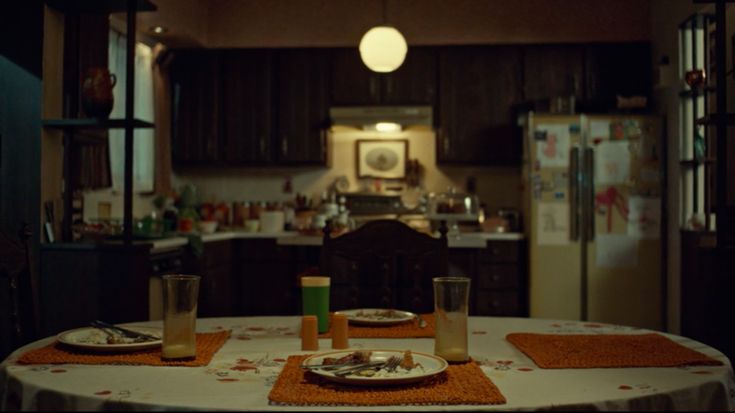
(385, 12)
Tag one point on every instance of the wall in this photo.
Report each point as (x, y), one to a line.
(498, 187)
(292, 23)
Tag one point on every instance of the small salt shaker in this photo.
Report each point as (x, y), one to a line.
(309, 340)
(339, 331)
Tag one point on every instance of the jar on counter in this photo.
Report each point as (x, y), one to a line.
(240, 213)
(256, 208)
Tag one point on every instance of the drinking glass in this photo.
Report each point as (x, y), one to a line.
(180, 295)
(451, 299)
(315, 299)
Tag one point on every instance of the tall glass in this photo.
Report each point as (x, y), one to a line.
(451, 299)
(180, 295)
(315, 299)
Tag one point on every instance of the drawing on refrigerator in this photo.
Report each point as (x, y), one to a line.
(594, 200)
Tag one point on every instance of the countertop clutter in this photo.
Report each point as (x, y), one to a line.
(465, 240)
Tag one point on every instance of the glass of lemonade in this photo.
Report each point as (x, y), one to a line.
(180, 296)
(451, 302)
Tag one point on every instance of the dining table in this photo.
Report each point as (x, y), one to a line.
(244, 370)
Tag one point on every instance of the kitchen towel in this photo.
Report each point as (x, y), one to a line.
(582, 351)
(410, 329)
(459, 384)
(57, 353)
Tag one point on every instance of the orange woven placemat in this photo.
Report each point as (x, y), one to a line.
(580, 351)
(56, 353)
(459, 384)
(402, 330)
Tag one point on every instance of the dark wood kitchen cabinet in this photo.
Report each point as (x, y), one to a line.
(499, 281)
(247, 106)
(615, 69)
(217, 267)
(268, 278)
(479, 85)
(553, 70)
(303, 82)
(414, 83)
(195, 108)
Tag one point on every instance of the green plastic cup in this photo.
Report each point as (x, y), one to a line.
(315, 299)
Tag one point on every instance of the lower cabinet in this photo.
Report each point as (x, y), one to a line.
(260, 277)
(499, 278)
(215, 264)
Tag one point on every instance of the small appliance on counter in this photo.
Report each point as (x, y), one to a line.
(453, 207)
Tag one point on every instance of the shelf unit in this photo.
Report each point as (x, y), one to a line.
(71, 126)
(696, 156)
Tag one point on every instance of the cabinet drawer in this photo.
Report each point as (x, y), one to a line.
(497, 276)
(500, 251)
(497, 303)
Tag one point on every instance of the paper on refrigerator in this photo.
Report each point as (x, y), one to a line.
(612, 162)
(616, 251)
(644, 217)
(600, 129)
(552, 223)
(553, 150)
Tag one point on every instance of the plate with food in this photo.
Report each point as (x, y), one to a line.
(377, 316)
(375, 367)
(94, 339)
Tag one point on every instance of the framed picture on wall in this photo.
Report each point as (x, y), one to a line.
(380, 158)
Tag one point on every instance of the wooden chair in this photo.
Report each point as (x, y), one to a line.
(17, 325)
(383, 264)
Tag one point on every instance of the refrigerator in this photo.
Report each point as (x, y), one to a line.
(592, 200)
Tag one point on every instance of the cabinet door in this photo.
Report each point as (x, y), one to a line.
(478, 88)
(553, 70)
(303, 83)
(353, 83)
(415, 82)
(615, 69)
(195, 136)
(247, 121)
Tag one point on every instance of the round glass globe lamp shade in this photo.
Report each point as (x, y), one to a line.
(383, 49)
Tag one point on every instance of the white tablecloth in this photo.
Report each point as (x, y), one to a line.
(242, 373)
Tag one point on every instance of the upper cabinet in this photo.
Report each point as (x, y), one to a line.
(246, 109)
(195, 107)
(553, 71)
(303, 100)
(250, 107)
(479, 86)
(271, 106)
(414, 83)
(615, 69)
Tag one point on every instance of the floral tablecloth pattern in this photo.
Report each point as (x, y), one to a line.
(242, 373)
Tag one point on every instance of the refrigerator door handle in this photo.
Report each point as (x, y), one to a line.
(574, 194)
(589, 160)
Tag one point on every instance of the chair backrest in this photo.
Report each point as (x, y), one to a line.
(383, 264)
(16, 305)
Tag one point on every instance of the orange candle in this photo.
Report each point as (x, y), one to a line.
(339, 331)
(309, 340)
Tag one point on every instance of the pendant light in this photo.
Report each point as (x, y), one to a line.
(383, 48)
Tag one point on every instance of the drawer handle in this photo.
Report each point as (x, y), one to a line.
(495, 277)
(496, 251)
(495, 304)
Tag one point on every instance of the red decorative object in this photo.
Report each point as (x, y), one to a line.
(97, 98)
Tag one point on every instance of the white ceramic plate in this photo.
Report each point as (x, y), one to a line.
(377, 316)
(93, 339)
(431, 365)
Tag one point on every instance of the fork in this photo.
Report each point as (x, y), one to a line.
(123, 331)
(393, 363)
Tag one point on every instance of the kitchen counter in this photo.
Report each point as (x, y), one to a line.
(465, 240)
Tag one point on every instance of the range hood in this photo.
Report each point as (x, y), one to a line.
(367, 117)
